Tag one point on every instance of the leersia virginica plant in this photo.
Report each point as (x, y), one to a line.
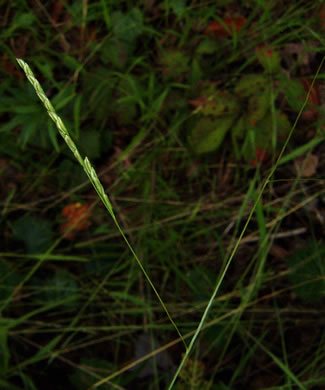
(93, 178)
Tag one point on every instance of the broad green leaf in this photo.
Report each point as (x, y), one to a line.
(208, 134)
(207, 46)
(24, 20)
(266, 127)
(127, 27)
(178, 7)
(259, 138)
(294, 92)
(219, 103)
(258, 105)
(251, 84)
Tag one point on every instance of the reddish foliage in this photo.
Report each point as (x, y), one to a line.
(233, 24)
(77, 216)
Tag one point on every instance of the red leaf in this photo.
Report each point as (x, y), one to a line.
(77, 216)
(232, 24)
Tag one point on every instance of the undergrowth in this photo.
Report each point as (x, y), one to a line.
(203, 123)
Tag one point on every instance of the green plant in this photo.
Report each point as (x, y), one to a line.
(256, 126)
(21, 103)
(80, 305)
(102, 195)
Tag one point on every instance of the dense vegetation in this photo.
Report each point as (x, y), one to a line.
(204, 121)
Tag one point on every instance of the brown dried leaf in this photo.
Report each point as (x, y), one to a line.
(77, 216)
